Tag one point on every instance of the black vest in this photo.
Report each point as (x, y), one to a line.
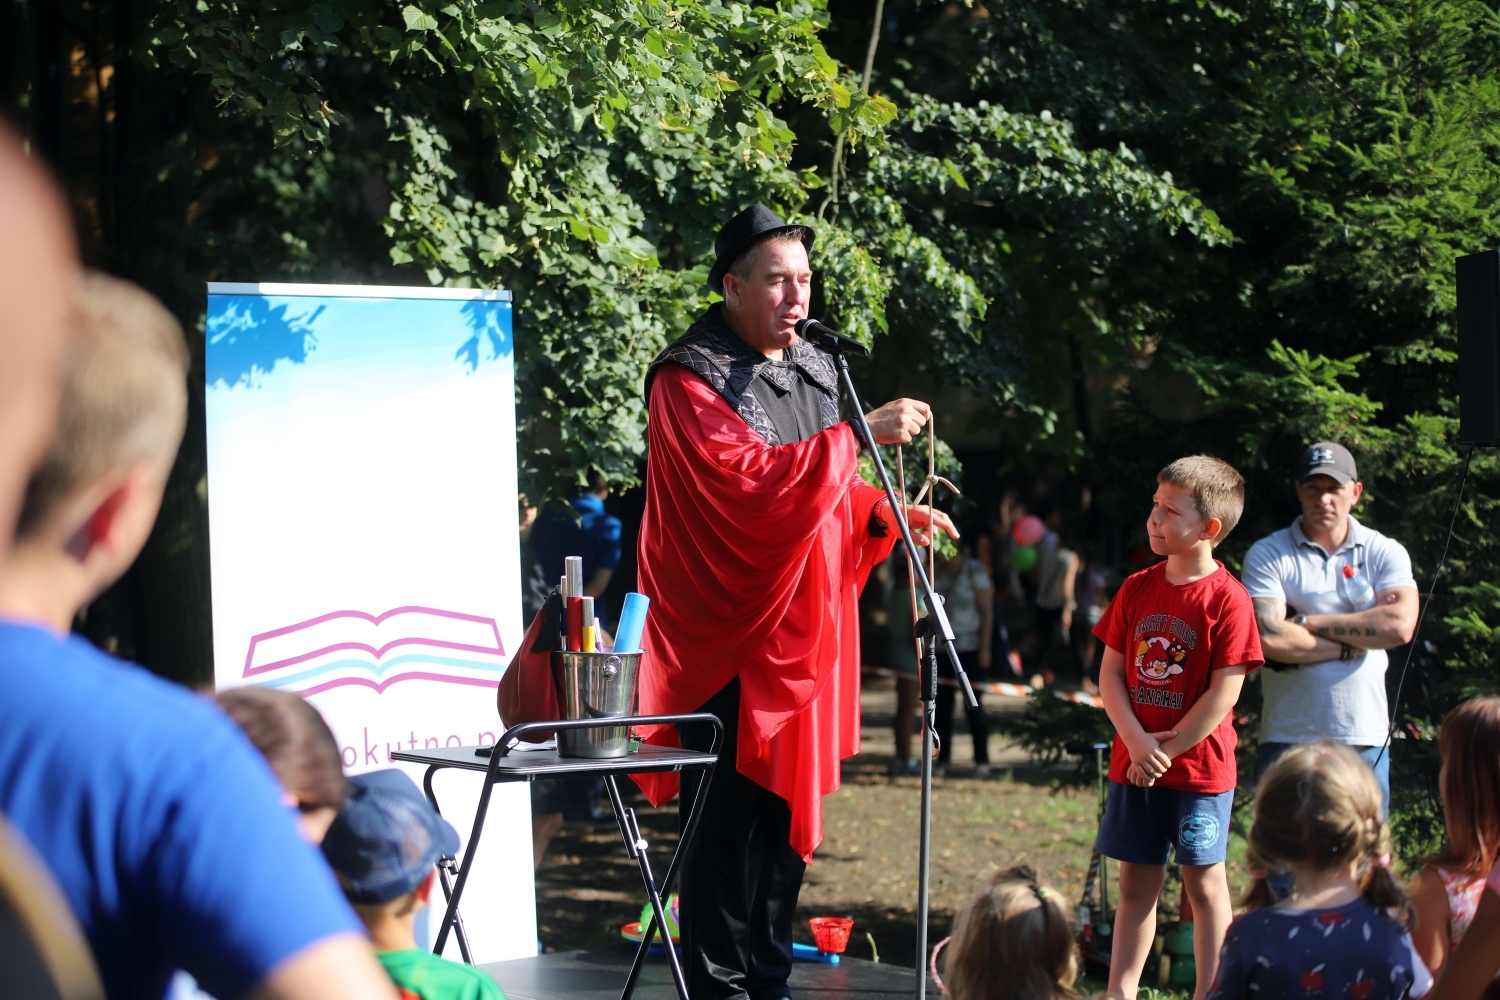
(730, 365)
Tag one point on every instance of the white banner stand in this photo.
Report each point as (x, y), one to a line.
(363, 527)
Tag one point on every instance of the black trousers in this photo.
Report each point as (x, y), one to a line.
(979, 723)
(1049, 630)
(741, 878)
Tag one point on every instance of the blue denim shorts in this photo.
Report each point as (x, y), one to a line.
(1140, 824)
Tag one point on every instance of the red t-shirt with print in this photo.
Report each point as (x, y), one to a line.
(1174, 637)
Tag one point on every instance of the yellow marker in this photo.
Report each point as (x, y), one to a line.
(589, 645)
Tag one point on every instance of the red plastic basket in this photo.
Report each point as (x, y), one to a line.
(831, 934)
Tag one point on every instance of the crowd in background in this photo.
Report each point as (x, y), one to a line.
(1023, 595)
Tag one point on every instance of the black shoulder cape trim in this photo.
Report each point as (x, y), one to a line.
(717, 354)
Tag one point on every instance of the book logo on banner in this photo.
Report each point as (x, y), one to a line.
(356, 649)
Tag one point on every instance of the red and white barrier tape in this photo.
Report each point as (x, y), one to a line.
(1001, 688)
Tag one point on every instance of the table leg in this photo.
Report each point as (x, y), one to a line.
(656, 903)
(450, 915)
(446, 866)
(691, 830)
(644, 949)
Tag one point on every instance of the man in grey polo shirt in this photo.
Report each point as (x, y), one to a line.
(1331, 596)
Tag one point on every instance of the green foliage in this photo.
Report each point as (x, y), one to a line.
(1362, 170)
(583, 154)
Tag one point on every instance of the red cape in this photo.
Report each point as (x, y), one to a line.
(753, 556)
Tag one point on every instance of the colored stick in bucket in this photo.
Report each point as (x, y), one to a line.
(587, 639)
(574, 566)
(632, 623)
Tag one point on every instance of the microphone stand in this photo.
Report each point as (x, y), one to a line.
(934, 606)
(931, 628)
(929, 679)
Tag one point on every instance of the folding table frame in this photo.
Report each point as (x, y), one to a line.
(499, 764)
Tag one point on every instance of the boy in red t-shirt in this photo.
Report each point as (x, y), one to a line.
(1179, 639)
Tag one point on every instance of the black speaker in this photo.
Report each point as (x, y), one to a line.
(1479, 348)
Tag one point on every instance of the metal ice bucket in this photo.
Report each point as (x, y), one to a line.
(595, 686)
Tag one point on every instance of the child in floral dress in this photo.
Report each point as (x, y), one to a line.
(1344, 930)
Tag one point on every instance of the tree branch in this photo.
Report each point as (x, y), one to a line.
(838, 146)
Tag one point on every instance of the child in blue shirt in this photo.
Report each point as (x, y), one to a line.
(1343, 931)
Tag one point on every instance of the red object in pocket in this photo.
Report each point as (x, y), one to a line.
(527, 691)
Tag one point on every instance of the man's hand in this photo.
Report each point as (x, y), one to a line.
(923, 518)
(898, 421)
(1147, 755)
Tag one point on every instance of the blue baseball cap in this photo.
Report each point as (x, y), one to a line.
(386, 839)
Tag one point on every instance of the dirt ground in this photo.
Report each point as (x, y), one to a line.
(866, 867)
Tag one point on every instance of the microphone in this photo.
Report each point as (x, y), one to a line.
(830, 339)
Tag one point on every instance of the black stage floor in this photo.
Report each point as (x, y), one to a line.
(599, 974)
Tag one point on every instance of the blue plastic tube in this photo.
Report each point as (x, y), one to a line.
(632, 623)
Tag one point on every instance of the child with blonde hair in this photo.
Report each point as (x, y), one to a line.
(1344, 929)
(1012, 941)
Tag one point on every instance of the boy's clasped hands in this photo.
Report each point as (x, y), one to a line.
(1148, 759)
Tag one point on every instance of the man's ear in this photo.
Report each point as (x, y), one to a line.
(732, 290)
(1359, 491)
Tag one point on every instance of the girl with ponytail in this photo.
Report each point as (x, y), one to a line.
(1343, 930)
(1012, 941)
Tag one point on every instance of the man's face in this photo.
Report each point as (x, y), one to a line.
(1326, 502)
(765, 309)
(1175, 525)
(37, 270)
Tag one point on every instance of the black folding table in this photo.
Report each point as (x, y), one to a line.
(499, 764)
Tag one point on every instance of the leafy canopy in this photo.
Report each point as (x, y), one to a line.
(583, 154)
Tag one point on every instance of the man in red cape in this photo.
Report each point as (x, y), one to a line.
(757, 537)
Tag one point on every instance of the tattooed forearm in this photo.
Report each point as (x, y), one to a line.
(1270, 615)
